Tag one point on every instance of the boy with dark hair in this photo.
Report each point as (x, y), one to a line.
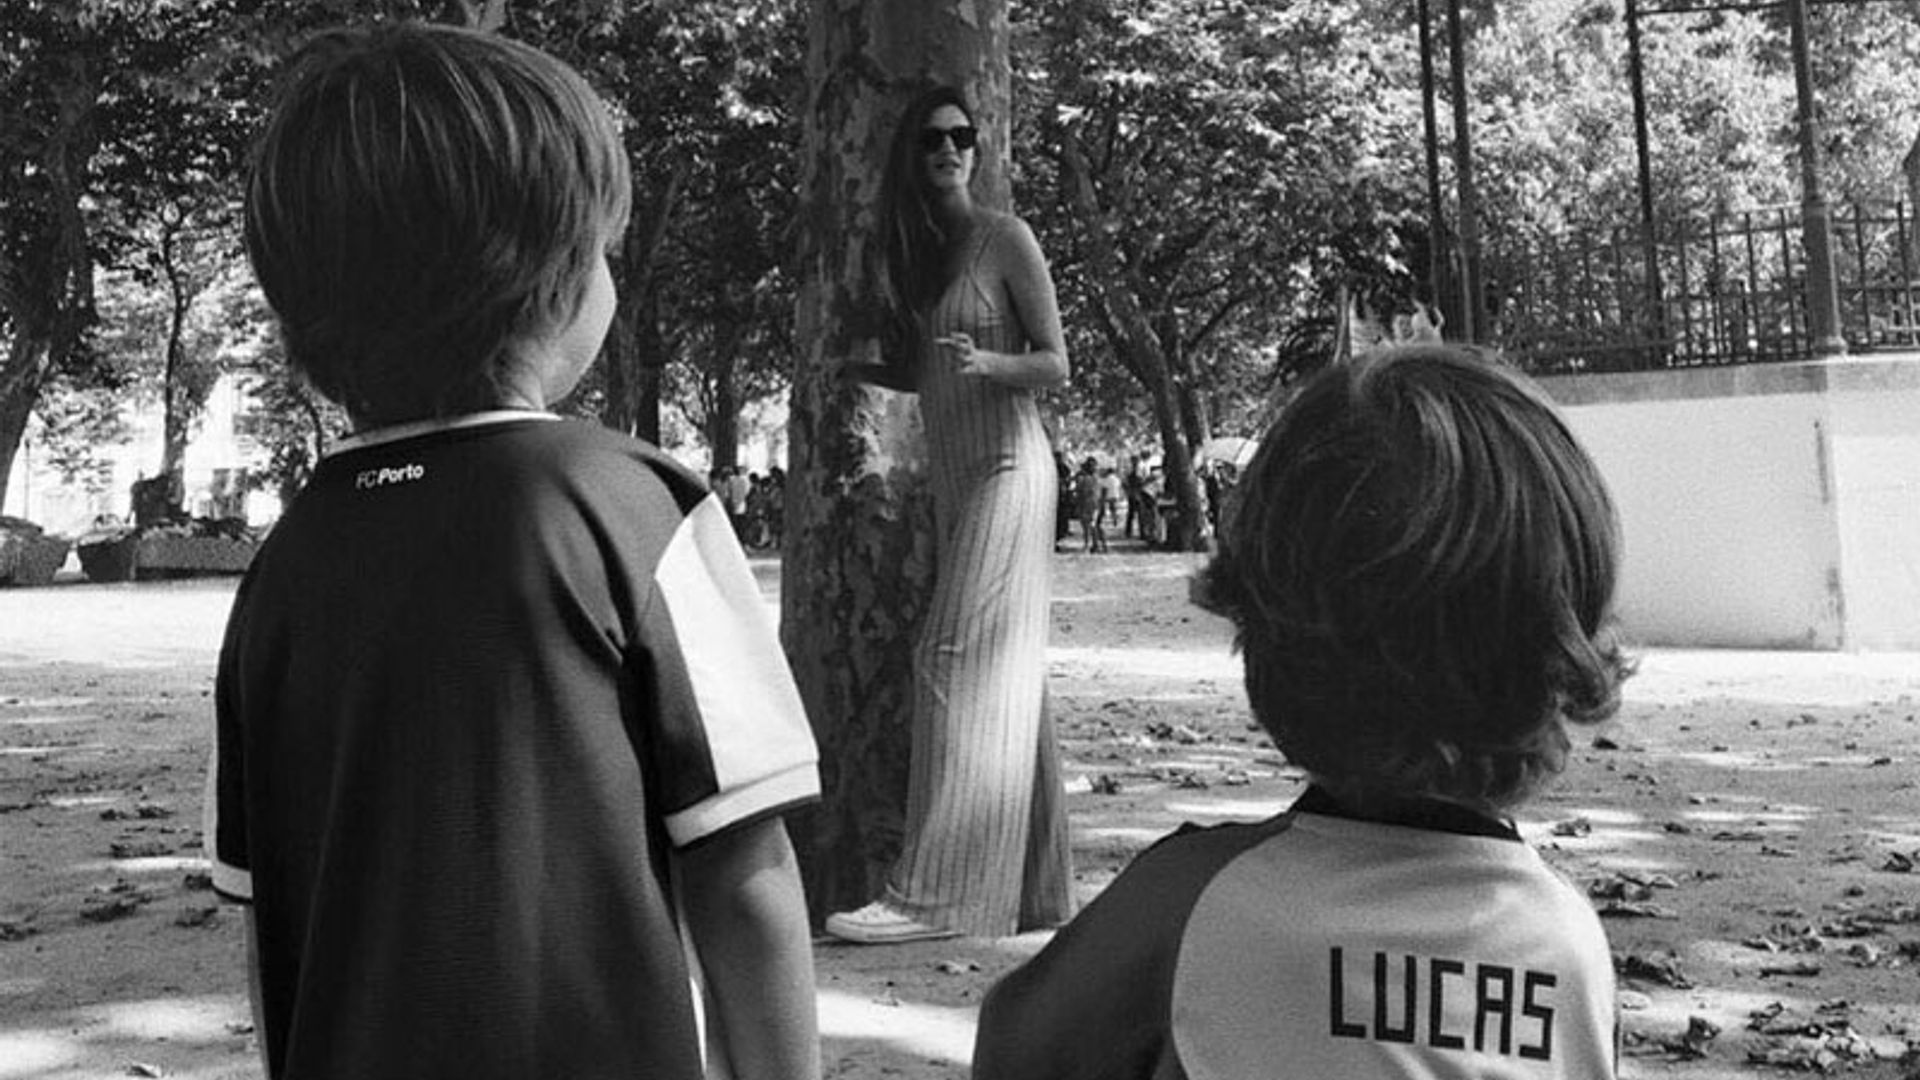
(1420, 567)
(504, 730)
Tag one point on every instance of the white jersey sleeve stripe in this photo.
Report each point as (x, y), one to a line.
(761, 747)
(796, 785)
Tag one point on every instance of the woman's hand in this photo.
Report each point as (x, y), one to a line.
(959, 351)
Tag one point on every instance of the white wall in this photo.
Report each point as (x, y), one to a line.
(1876, 457)
(1767, 506)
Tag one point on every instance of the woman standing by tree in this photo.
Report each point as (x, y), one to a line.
(974, 329)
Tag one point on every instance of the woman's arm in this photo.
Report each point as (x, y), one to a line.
(899, 365)
(1023, 273)
(886, 376)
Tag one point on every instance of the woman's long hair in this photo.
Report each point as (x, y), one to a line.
(915, 247)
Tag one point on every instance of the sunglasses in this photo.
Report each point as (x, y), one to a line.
(963, 137)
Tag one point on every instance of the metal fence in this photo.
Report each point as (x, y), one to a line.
(1729, 290)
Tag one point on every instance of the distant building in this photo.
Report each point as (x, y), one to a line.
(216, 468)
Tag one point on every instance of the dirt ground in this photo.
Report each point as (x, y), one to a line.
(1749, 829)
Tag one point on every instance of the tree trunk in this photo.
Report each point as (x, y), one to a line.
(1134, 339)
(723, 397)
(19, 391)
(636, 353)
(858, 562)
(50, 302)
(723, 422)
(177, 408)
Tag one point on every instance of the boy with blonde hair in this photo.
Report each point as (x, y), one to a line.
(504, 731)
(1419, 565)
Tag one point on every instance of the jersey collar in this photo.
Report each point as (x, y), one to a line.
(360, 440)
(1432, 814)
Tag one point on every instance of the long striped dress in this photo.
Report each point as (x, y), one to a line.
(986, 848)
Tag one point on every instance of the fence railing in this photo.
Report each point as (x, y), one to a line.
(1729, 290)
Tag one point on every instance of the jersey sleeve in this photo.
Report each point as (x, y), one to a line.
(1096, 1003)
(223, 833)
(730, 740)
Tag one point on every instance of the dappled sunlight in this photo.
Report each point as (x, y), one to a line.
(1603, 839)
(48, 720)
(41, 1053)
(1135, 696)
(202, 1020)
(1200, 662)
(1118, 837)
(1148, 567)
(154, 864)
(34, 1053)
(1900, 832)
(1736, 759)
(1617, 835)
(81, 802)
(1620, 862)
(939, 1032)
(1206, 762)
(1230, 809)
(62, 748)
(1669, 1008)
(1677, 676)
(1085, 598)
(47, 702)
(1771, 814)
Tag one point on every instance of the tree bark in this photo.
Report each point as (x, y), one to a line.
(858, 562)
(723, 392)
(177, 410)
(49, 299)
(636, 351)
(20, 386)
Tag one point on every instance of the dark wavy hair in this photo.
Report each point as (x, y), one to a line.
(914, 246)
(1420, 566)
(423, 197)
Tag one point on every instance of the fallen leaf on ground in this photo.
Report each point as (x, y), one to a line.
(1631, 909)
(1691, 1043)
(198, 916)
(1662, 968)
(1798, 967)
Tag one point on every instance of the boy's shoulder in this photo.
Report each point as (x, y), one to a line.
(576, 446)
(1165, 880)
(531, 463)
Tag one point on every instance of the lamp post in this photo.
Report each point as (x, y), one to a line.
(1816, 222)
(1636, 75)
(1471, 306)
(1439, 245)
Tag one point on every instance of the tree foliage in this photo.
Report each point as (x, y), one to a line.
(1205, 175)
(1198, 169)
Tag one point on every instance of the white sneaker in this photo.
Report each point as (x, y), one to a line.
(880, 923)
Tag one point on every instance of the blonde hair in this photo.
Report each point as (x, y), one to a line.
(1420, 567)
(423, 197)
